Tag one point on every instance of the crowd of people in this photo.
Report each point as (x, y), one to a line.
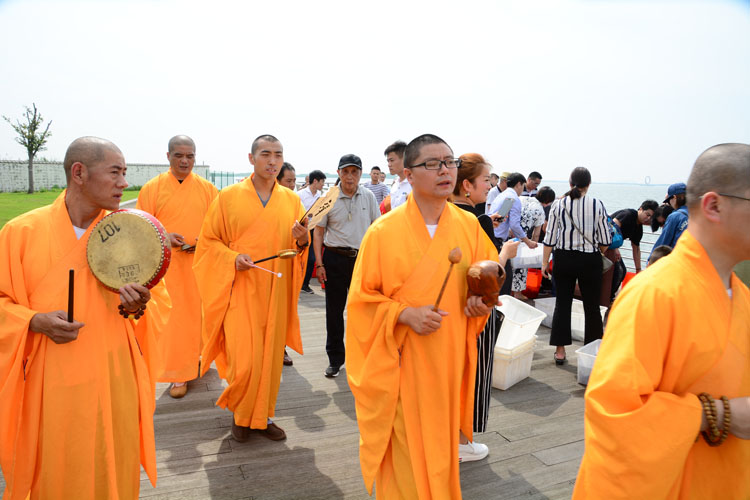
(77, 394)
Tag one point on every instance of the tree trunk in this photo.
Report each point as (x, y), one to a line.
(31, 174)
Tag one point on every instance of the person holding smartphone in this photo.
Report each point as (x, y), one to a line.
(511, 210)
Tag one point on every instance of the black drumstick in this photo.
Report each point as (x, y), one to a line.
(71, 273)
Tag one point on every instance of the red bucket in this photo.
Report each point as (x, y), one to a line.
(628, 276)
(533, 283)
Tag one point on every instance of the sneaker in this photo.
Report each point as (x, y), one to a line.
(471, 452)
(307, 289)
(332, 371)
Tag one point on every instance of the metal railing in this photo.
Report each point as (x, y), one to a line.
(647, 244)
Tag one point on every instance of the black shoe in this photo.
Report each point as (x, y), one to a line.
(559, 361)
(307, 289)
(332, 371)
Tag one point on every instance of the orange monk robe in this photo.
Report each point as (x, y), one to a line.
(249, 315)
(428, 380)
(672, 334)
(76, 418)
(180, 207)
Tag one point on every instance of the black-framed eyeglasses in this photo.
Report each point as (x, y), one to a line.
(449, 163)
(733, 196)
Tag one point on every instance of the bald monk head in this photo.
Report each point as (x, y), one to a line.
(267, 157)
(181, 156)
(718, 199)
(95, 170)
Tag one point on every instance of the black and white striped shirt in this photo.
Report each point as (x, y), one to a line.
(589, 215)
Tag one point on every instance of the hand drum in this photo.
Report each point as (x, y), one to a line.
(485, 278)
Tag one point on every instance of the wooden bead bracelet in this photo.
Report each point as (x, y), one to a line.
(714, 436)
(131, 314)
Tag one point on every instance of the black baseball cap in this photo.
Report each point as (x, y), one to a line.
(350, 161)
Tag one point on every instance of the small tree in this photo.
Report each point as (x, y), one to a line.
(31, 137)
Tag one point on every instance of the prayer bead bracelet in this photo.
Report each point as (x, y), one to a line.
(715, 437)
(131, 314)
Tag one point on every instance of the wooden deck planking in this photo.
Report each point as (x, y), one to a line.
(535, 434)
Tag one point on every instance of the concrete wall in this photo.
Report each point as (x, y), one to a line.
(14, 175)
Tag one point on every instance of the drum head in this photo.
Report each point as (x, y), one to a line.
(127, 247)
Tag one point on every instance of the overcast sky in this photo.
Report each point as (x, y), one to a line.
(627, 88)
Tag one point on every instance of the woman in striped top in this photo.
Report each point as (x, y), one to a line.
(577, 230)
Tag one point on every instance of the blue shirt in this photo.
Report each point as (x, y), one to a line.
(513, 221)
(675, 224)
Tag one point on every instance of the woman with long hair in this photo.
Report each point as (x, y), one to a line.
(578, 232)
(472, 186)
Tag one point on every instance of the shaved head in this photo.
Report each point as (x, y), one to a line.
(259, 139)
(180, 140)
(724, 168)
(87, 150)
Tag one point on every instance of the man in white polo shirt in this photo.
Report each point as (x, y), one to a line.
(394, 155)
(342, 230)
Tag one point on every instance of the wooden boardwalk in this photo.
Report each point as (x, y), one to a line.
(535, 435)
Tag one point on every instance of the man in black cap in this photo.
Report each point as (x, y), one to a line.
(677, 220)
(341, 231)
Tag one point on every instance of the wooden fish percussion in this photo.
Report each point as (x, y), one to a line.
(128, 246)
(485, 278)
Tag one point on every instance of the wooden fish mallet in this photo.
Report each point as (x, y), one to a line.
(282, 254)
(454, 257)
(71, 287)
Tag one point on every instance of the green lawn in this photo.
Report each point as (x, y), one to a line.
(14, 204)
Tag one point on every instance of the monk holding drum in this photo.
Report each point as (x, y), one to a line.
(76, 389)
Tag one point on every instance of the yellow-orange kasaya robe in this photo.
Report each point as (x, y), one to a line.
(413, 392)
(180, 207)
(76, 419)
(248, 316)
(673, 333)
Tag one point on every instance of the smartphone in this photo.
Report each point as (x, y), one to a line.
(505, 207)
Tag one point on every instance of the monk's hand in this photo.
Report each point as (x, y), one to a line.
(422, 320)
(55, 326)
(300, 234)
(176, 239)
(475, 307)
(243, 262)
(134, 296)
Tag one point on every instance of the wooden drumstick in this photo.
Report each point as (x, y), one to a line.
(71, 275)
(454, 257)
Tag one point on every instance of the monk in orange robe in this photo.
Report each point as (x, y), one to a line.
(76, 398)
(249, 313)
(180, 199)
(680, 329)
(411, 369)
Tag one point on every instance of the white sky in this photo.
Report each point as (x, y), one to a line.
(626, 88)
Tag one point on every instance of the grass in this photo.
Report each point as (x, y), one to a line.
(15, 204)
